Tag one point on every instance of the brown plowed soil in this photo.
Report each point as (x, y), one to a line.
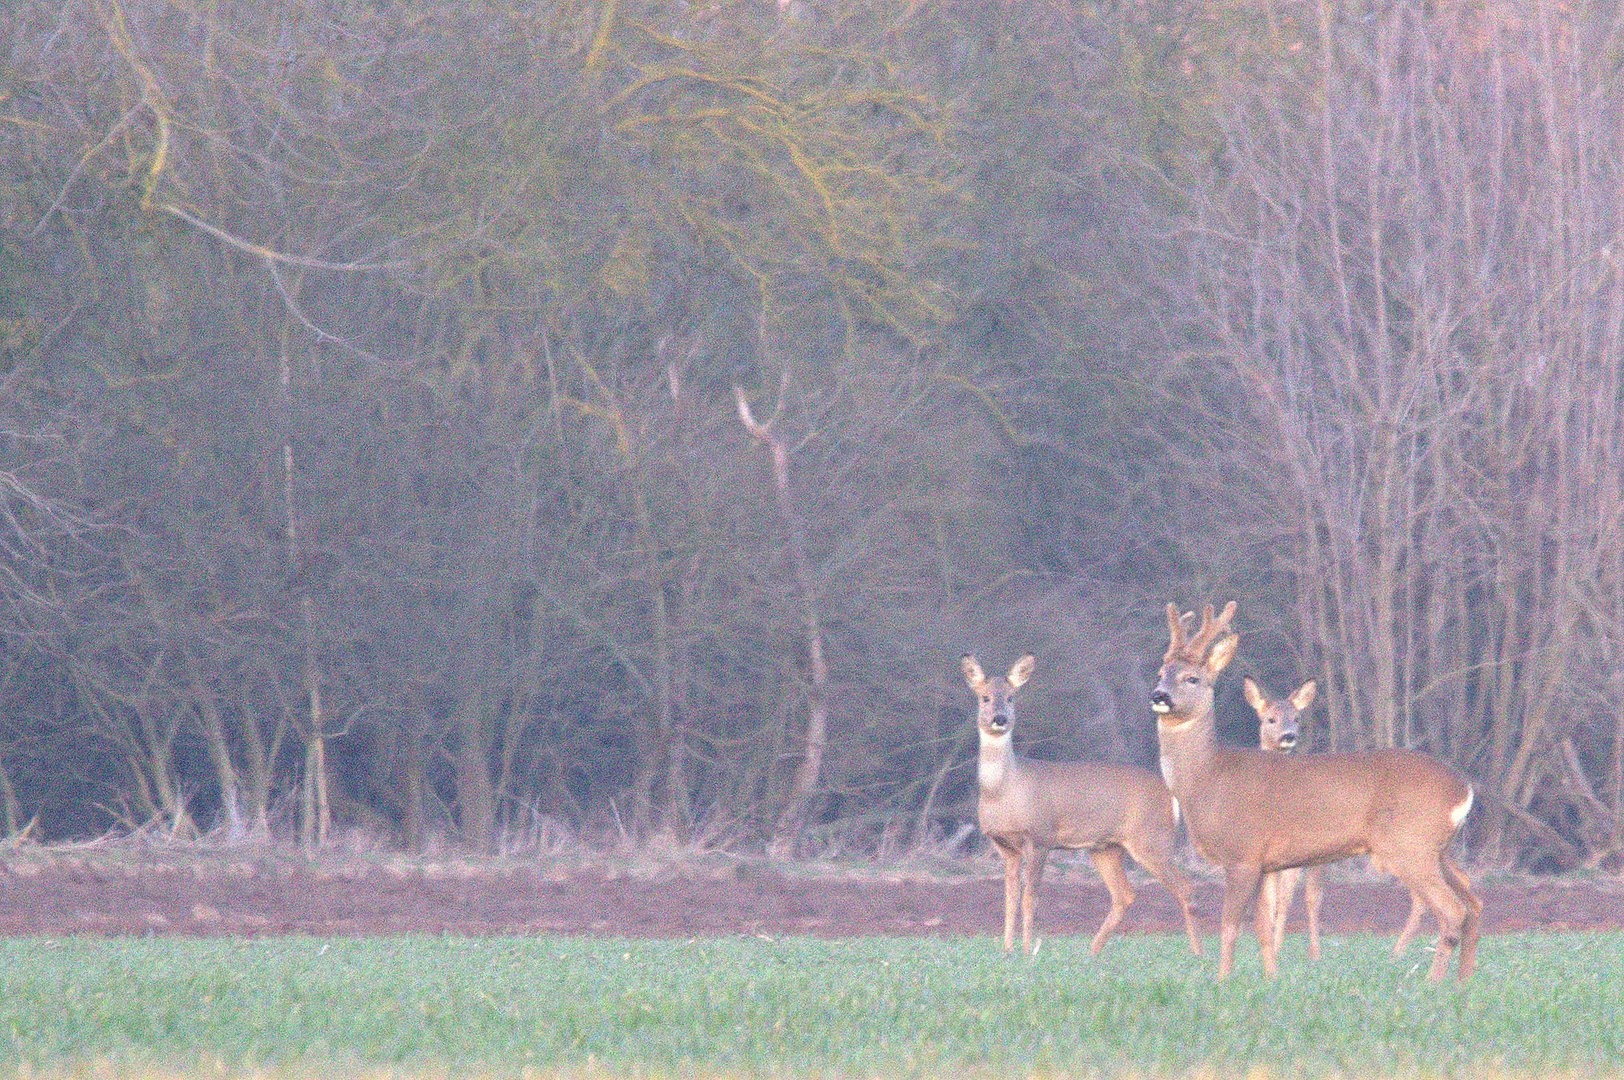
(54, 894)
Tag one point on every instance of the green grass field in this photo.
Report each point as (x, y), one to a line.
(747, 1007)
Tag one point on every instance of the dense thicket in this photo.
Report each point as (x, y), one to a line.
(616, 416)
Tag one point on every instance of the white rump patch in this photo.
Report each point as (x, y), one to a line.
(1458, 815)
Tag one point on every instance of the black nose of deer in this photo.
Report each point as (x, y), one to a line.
(1161, 701)
(1288, 740)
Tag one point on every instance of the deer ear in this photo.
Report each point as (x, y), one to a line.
(1304, 697)
(1021, 671)
(1254, 696)
(1222, 653)
(973, 675)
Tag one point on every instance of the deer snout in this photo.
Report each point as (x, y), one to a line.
(1161, 701)
(1288, 739)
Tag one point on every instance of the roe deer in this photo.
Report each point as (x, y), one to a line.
(1252, 812)
(1279, 726)
(1278, 729)
(1028, 808)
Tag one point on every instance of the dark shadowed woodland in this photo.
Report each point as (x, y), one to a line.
(609, 421)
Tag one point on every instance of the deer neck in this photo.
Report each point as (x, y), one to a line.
(1188, 748)
(996, 764)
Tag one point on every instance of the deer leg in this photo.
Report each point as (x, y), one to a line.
(1263, 924)
(1474, 914)
(1268, 905)
(1425, 877)
(1412, 924)
(1108, 861)
(1034, 859)
(1161, 866)
(1241, 884)
(1278, 892)
(1417, 908)
(1313, 894)
(1012, 889)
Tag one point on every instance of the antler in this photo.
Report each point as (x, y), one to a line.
(1181, 642)
(1211, 628)
(1175, 629)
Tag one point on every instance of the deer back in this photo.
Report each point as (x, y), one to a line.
(1075, 804)
(1285, 810)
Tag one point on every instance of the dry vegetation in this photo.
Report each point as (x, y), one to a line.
(457, 419)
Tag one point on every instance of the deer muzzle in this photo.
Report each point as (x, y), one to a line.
(1161, 702)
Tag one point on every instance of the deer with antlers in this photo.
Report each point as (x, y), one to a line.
(1253, 812)
(1027, 808)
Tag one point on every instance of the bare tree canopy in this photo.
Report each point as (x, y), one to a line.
(615, 419)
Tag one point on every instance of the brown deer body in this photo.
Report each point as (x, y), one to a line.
(1253, 812)
(1028, 808)
(1279, 728)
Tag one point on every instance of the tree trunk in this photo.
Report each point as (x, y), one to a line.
(219, 748)
(808, 774)
(318, 811)
(10, 810)
(259, 770)
(414, 815)
(476, 794)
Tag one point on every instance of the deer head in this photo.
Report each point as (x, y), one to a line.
(995, 696)
(1184, 692)
(1279, 722)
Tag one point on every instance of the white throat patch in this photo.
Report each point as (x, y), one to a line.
(990, 768)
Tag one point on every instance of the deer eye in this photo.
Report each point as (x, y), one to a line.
(1192, 679)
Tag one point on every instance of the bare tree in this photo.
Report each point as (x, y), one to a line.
(1409, 276)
